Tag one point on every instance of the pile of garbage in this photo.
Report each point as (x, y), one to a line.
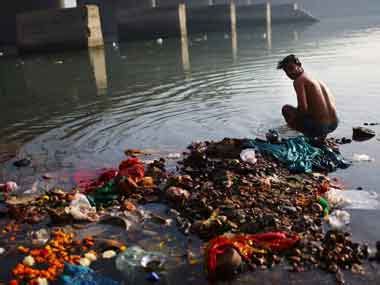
(253, 203)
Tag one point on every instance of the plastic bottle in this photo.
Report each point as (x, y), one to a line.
(136, 264)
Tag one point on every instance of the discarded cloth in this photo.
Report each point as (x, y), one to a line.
(300, 156)
(88, 181)
(80, 275)
(104, 196)
(132, 168)
(248, 244)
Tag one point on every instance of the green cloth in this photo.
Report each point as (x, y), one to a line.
(300, 156)
(104, 196)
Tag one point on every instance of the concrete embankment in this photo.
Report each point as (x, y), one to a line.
(56, 29)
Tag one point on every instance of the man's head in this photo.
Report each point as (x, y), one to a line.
(291, 65)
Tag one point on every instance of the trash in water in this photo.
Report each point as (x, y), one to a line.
(153, 276)
(2, 250)
(339, 219)
(353, 199)
(81, 209)
(22, 162)
(246, 245)
(249, 155)
(153, 261)
(174, 156)
(118, 221)
(80, 275)
(362, 157)
(325, 205)
(177, 194)
(134, 262)
(39, 237)
(109, 254)
(8, 187)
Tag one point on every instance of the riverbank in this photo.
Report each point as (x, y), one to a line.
(231, 174)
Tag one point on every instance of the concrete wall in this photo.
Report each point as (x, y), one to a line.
(8, 13)
(59, 29)
(334, 8)
(109, 10)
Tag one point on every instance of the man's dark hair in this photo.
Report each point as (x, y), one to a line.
(291, 58)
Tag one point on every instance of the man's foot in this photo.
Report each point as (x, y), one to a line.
(319, 141)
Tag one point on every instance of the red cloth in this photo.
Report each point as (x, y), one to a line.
(132, 168)
(90, 180)
(246, 245)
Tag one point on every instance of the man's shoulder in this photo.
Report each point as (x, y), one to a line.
(301, 80)
(304, 79)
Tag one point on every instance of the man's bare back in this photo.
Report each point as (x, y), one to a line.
(319, 100)
(315, 115)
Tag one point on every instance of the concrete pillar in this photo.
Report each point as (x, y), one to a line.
(182, 19)
(154, 3)
(295, 36)
(185, 54)
(184, 39)
(233, 29)
(210, 2)
(98, 64)
(269, 24)
(94, 25)
(295, 6)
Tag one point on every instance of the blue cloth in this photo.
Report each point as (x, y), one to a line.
(80, 275)
(300, 156)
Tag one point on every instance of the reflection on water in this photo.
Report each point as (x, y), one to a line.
(165, 95)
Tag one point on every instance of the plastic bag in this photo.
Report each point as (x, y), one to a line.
(248, 155)
(353, 199)
(362, 157)
(339, 219)
(81, 209)
(135, 262)
(79, 275)
(8, 187)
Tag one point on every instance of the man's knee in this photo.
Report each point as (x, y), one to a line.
(288, 112)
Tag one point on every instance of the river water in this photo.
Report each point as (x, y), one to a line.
(82, 109)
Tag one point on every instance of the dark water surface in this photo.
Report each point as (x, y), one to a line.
(82, 109)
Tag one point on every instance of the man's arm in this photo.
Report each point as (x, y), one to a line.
(301, 96)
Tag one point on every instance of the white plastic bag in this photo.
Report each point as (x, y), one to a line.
(249, 155)
(339, 219)
(352, 199)
(81, 209)
(362, 157)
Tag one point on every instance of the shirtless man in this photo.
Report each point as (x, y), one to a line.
(315, 115)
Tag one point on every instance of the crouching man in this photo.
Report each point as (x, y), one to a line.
(315, 116)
